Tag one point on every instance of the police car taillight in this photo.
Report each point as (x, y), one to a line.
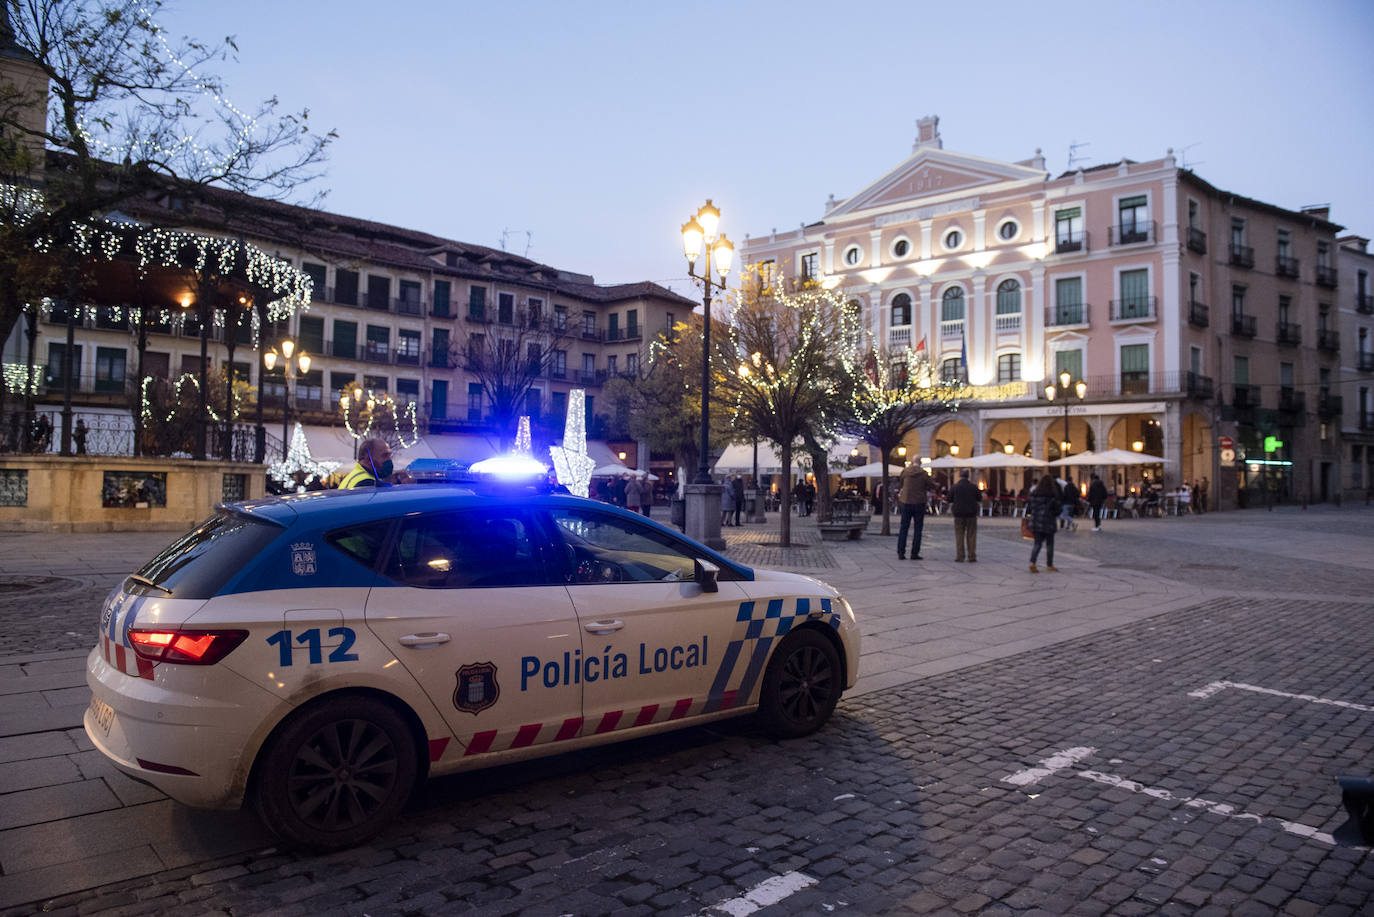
(186, 647)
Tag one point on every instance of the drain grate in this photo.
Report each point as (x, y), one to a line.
(16, 585)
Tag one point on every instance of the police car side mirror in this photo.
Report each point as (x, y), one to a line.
(705, 575)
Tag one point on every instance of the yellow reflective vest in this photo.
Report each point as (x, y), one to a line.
(358, 477)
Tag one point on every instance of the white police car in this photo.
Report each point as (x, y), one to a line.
(317, 654)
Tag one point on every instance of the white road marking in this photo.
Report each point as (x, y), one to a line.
(1217, 687)
(1216, 808)
(1056, 762)
(766, 893)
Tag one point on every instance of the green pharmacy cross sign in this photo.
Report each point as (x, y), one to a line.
(1272, 444)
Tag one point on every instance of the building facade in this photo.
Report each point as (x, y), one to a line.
(393, 311)
(1354, 398)
(1191, 313)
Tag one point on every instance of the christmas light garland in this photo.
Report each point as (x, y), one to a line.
(369, 406)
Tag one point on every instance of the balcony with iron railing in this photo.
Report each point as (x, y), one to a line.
(1286, 267)
(439, 358)
(1198, 314)
(376, 353)
(342, 350)
(1070, 243)
(1329, 339)
(1131, 233)
(589, 333)
(1067, 315)
(339, 297)
(585, 377)
(1134, 309)
(628, 333)
(1243, 325)
(1329, 405)
(1246, 396)
(1289, 333)
(1197, 240)
(1364, 303)
(1326, 276)
(1242, 256)
(1292, 401)
(404, 306)
(477, 314)
(1198, 386)
(408, 357)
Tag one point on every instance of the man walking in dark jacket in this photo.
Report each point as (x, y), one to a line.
(964, 498)
(1097, 496)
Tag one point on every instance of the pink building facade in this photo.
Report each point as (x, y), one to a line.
(1180, 306)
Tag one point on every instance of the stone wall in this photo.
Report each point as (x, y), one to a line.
(117, 493)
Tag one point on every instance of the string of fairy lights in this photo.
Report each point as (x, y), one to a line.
(372, 408)
(207, 156)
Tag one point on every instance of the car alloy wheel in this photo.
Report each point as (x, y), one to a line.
(801, 685)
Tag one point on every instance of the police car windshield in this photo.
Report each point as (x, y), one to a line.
(199, 563)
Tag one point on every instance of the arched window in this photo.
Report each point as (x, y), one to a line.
(952, 370)
(901, 309)
(952, 308)
(1009, 298)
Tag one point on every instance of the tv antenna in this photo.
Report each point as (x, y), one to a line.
(507, 233)
(1183, 156)
(1074, 158)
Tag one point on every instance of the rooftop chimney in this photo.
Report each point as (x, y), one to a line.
(928, 133)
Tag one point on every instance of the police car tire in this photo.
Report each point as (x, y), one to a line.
(801, 685)
(295, 791)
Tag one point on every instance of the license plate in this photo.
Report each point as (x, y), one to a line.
(102, 714)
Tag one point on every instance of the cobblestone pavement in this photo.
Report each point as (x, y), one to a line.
(1182, 763)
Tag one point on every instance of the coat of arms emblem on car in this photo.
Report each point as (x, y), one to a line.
(303, 559)
(477, 688)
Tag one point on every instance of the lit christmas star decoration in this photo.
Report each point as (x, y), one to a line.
(298, 461)
(570, 460)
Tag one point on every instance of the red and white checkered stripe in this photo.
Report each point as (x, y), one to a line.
(125, 659)
(560, 731)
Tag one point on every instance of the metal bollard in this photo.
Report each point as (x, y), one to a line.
(1357, 793)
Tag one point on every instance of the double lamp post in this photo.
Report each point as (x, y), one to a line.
(1080, 389)
(302, 362)
(699, 236)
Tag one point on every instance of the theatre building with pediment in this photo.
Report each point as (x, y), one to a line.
(1192, 315)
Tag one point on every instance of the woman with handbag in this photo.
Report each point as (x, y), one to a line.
(1042, 511)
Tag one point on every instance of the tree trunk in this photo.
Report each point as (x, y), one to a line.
(820, 470)
(785, 530)
(887, 492)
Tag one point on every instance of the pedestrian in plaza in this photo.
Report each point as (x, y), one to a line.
(727, 503)
(634, 494)
(1068, 504)
(915, 488)
(964, 498)
(618, 490)
(1097, 498)
(1042, 510)
(373, 467)
(1202, 495)
(737, 485)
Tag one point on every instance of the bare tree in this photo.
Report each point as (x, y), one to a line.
(507, 359)
(892, 394)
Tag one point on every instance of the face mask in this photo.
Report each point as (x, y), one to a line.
(384, 470)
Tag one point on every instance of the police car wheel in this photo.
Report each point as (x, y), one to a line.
(801, 685)
(336, 773)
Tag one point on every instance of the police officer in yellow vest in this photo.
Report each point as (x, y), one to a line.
(373, 466)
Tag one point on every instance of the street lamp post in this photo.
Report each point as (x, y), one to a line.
(698, 236)
(302, 361)
(1079, 388)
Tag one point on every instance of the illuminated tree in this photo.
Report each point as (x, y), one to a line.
(891, 394)
(791, 371)
(662, 405)
(98, 108)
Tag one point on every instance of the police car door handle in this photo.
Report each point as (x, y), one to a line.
(603, 627)
(421, 641)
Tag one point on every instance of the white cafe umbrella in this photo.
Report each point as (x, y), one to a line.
(948, 461)
(871, 470)
(1002, 460)
(1123, 457)
(1082, 458)
(614, 469)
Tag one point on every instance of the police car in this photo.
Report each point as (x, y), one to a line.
(315, 655)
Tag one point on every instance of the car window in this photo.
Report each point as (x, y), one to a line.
(602, 548)
(363, 543)
(199, 563)
(467, 549)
